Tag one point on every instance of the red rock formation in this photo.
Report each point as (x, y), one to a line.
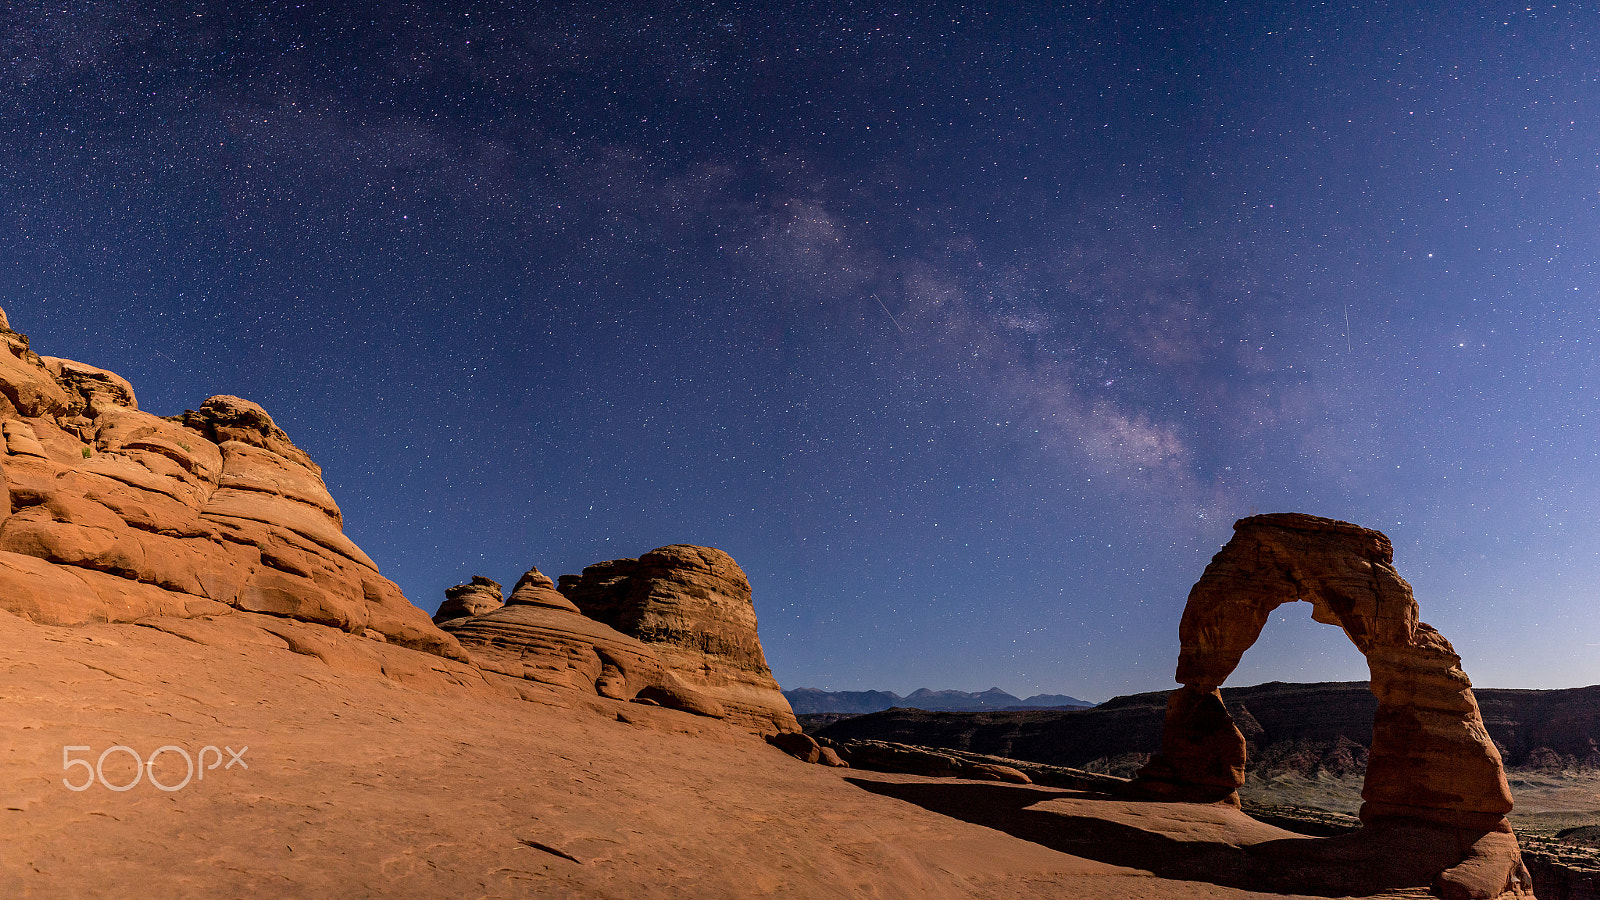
(535, 588)
(705, 658)
(476, 597)
(803, 747)
(1431, 759)
(692, 606)
(556, 646)
(114, 514)
(797, 744)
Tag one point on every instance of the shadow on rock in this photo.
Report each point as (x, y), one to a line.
(1210, 845)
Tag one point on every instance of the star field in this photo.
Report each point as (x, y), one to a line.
(967, 331)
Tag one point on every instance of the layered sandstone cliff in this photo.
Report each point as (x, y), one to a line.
(676, 627)
(114, 514)
(539, 636)
(476, 597)
(692, 606)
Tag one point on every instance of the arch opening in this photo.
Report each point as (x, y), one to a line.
(1294, 646)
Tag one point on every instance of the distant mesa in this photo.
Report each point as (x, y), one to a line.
(1303, 731)
(810, 701)
(807, 701)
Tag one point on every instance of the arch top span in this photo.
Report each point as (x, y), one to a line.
(1345, 571)
(1431, 759)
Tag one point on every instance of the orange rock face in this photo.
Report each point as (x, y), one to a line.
(476, 597)
(692, 606)
(1431, 759)
(535, 588)
(561, 649)
(675, 628)
(114, 514)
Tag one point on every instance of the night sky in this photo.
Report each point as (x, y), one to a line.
(967, 330)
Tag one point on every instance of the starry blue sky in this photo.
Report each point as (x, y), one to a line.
(967, 330)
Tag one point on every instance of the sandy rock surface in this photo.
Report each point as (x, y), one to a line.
(375, 771)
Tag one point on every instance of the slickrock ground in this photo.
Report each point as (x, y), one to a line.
(377, 771)
(360, 785)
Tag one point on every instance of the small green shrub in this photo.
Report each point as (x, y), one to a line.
(88, 452)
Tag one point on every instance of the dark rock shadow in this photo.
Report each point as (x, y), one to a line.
(1363, 863)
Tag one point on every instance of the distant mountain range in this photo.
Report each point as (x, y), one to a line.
(811, 700)
(1300, 729)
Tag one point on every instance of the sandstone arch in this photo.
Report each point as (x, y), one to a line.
(1431, 762)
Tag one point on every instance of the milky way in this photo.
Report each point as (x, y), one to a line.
(968, 332)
